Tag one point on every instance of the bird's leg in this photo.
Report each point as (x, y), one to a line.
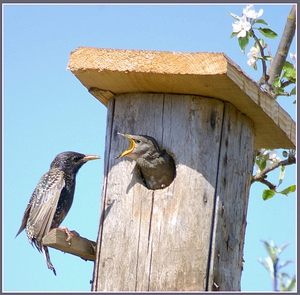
(47, 257)
(69, 233)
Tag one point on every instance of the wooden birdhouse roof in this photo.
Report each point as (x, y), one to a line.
(106, 72)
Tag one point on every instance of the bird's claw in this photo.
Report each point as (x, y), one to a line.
(69, 233)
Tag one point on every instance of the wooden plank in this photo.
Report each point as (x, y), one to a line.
(181, 221)
(232, 192)
(127, 202)
(79, 246)
(206, 74)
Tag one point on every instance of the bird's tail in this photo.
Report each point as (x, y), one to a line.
(47, 257)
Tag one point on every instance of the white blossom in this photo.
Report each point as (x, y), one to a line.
(273, 160)
(252, 56)
(293, 57)
(251, 13)
(242, 26)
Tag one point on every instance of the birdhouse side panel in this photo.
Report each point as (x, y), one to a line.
(234, 176)
(127, 203)
(181, 238)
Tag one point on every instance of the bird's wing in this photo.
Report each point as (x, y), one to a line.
(24, 220)
(44, 203)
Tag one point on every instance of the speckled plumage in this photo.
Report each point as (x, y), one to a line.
(52, 199)
(156, 165)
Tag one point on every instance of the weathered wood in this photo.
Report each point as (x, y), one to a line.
(231, 201)
(209, 115)
(105, 72)
(78, 246)
(164, 240)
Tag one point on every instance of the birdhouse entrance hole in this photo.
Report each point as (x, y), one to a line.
(140, 178)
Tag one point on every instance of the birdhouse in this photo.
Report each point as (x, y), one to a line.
(209, 117)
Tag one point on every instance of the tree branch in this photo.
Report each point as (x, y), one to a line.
(268, 184)
(261, 177)
(283, 48)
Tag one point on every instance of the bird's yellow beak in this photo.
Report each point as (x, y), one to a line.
(131, 146)
(90, 157)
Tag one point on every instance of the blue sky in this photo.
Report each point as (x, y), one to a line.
(47, 110)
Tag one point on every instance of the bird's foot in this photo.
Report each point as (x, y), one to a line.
(48, 261)
(69, 233)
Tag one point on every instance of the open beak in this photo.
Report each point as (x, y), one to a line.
(131, 146)
(90, 157)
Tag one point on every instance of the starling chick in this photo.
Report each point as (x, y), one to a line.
(52, 199)
(156, 165)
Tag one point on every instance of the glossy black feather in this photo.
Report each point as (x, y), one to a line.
(52, 199)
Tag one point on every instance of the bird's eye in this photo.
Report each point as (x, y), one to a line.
(76, 159)
(138, 141)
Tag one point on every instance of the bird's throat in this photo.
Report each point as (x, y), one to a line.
(129, 150)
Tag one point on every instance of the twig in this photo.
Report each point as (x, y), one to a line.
(269, 184)
(264, 78)
(261, 177)
(286, 83)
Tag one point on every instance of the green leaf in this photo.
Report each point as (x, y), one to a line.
(233, 35)
(290, 284)
(272, 250)
(277, 82)
(293, 92)
(268, 33)
(281, 175)
(284, 154)
(268, 194)
(262, 43)
(289, 76)
(233, 15)
(268, 264)
(277, 85)
(289, 71)
(288, 190)
(261, 160)
(282, 247)
(263, 165)
(267, 246)
(260, 21)
(283, 275)
(267, 57)
(287, 65)
(243, 42)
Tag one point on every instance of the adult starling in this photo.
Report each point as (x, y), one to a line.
(156, 165)
(52, 199)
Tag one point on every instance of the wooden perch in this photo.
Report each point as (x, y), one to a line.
(79, 246)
